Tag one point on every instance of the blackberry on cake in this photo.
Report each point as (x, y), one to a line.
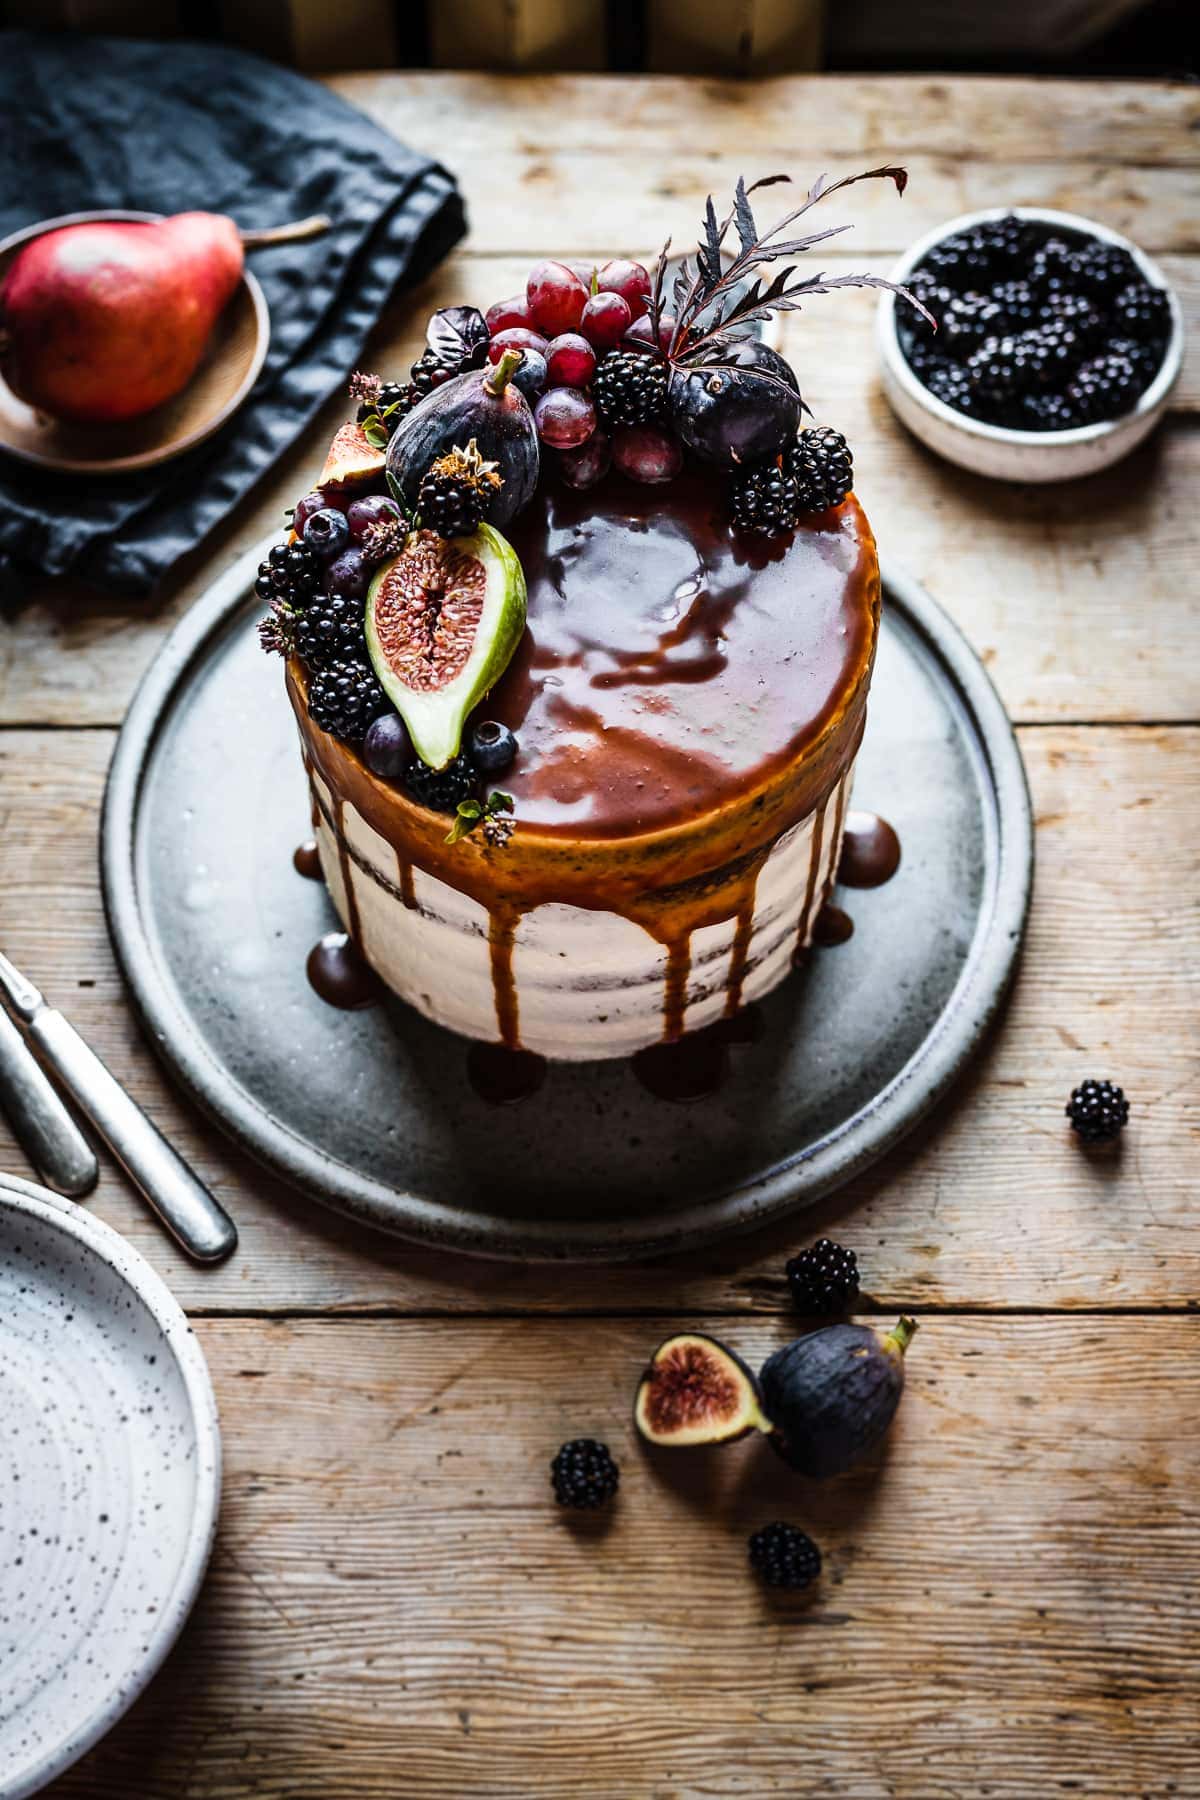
(822, 468)
(765, 499)
(344, 698)
(629, 388)
(441, 790)
(455, 490)
(330, 630)
(290, 572)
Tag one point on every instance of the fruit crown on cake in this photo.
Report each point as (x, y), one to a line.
(397, 591)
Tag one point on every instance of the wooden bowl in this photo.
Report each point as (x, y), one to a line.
(228, 370)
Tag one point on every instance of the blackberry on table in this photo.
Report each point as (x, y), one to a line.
(629, 388)
(822, 468)
(584, 1474)
(1098, 1111)
(823, 1279)
(441, 789)
(289, 572)
(764, 498)
(330, 629)
(344, 698)
(784, 1556)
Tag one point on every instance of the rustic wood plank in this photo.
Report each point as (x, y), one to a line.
(990, 1205)
(980, 119)
(1005, 558)
(586, 201)
(1009, 1605)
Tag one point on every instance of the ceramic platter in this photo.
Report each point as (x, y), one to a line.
(372, 1112)
(110, 1471)
(228, 370)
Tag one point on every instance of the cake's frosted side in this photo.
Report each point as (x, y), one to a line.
(567, 981)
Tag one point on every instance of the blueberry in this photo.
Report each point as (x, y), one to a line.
(532, 375)
(386, 749)
(348, 574)
(493, 747)
(326, 531)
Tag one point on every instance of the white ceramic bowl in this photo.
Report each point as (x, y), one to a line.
(995, 449)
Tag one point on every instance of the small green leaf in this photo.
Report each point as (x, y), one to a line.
(497, 802)
(468, 816)
(595, 289)
(375, 434)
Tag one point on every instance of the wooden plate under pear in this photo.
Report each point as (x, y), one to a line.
(227, 372)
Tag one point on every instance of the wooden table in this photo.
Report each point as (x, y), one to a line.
(1009, 1609)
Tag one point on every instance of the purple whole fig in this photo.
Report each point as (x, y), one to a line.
(831, 1396)
(483, 404)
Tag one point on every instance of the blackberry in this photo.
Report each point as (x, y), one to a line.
(629, 388)
(584, 1474)
(1053, 267)
(1104, 388)
(932, 293)
(764, 498)
(344, 698)
(290, 572)
(441, 789)
(1005, 368)
(784, 1556)
(329, 630)
(1019, 307)
(454, 491)
(823, 1279)
(395, 401)
(1143, 312)
(428, 372)
(822, 468)
(1048, 412)
(950, 383)
(1146, 358)
(1098, 1111)
(1075, 313)
(969, 319)
(959, 261)
(1104, 269)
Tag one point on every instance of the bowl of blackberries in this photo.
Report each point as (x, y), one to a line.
(1056, 346)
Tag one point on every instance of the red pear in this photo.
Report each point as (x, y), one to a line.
(103, 321)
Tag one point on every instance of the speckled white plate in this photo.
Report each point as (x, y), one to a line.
(110, 1474)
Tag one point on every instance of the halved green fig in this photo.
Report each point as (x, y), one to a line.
(697, 1391)
(443, 620)
(833, 1395)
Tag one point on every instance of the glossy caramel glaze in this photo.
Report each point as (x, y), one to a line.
(672, 663)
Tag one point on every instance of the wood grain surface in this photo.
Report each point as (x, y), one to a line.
(396, 1611)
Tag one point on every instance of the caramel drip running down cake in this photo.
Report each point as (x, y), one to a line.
(579, 625)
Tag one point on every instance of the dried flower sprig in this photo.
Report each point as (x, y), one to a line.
(711, 301)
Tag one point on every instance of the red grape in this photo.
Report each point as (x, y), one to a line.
(372, 509)
(556, 296)
(606, 319)
(628, 279)
(640, 330)
(515, 338)
(565, 419)
(304, 509)
(585, 271)
(647, 453)
(584, 467)
(508, 312)
(570, 360)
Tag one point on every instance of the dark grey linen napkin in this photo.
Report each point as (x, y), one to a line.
(88, 123)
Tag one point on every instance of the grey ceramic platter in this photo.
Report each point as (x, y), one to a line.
(110, 1472)
(372, 1113)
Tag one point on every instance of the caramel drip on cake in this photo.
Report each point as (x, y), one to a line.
(353, 922)
(739, 956)
(679, 967)
(814, 864)
(404, 875)
(502, 931)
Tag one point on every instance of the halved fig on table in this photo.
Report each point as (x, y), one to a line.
(697, 1391)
